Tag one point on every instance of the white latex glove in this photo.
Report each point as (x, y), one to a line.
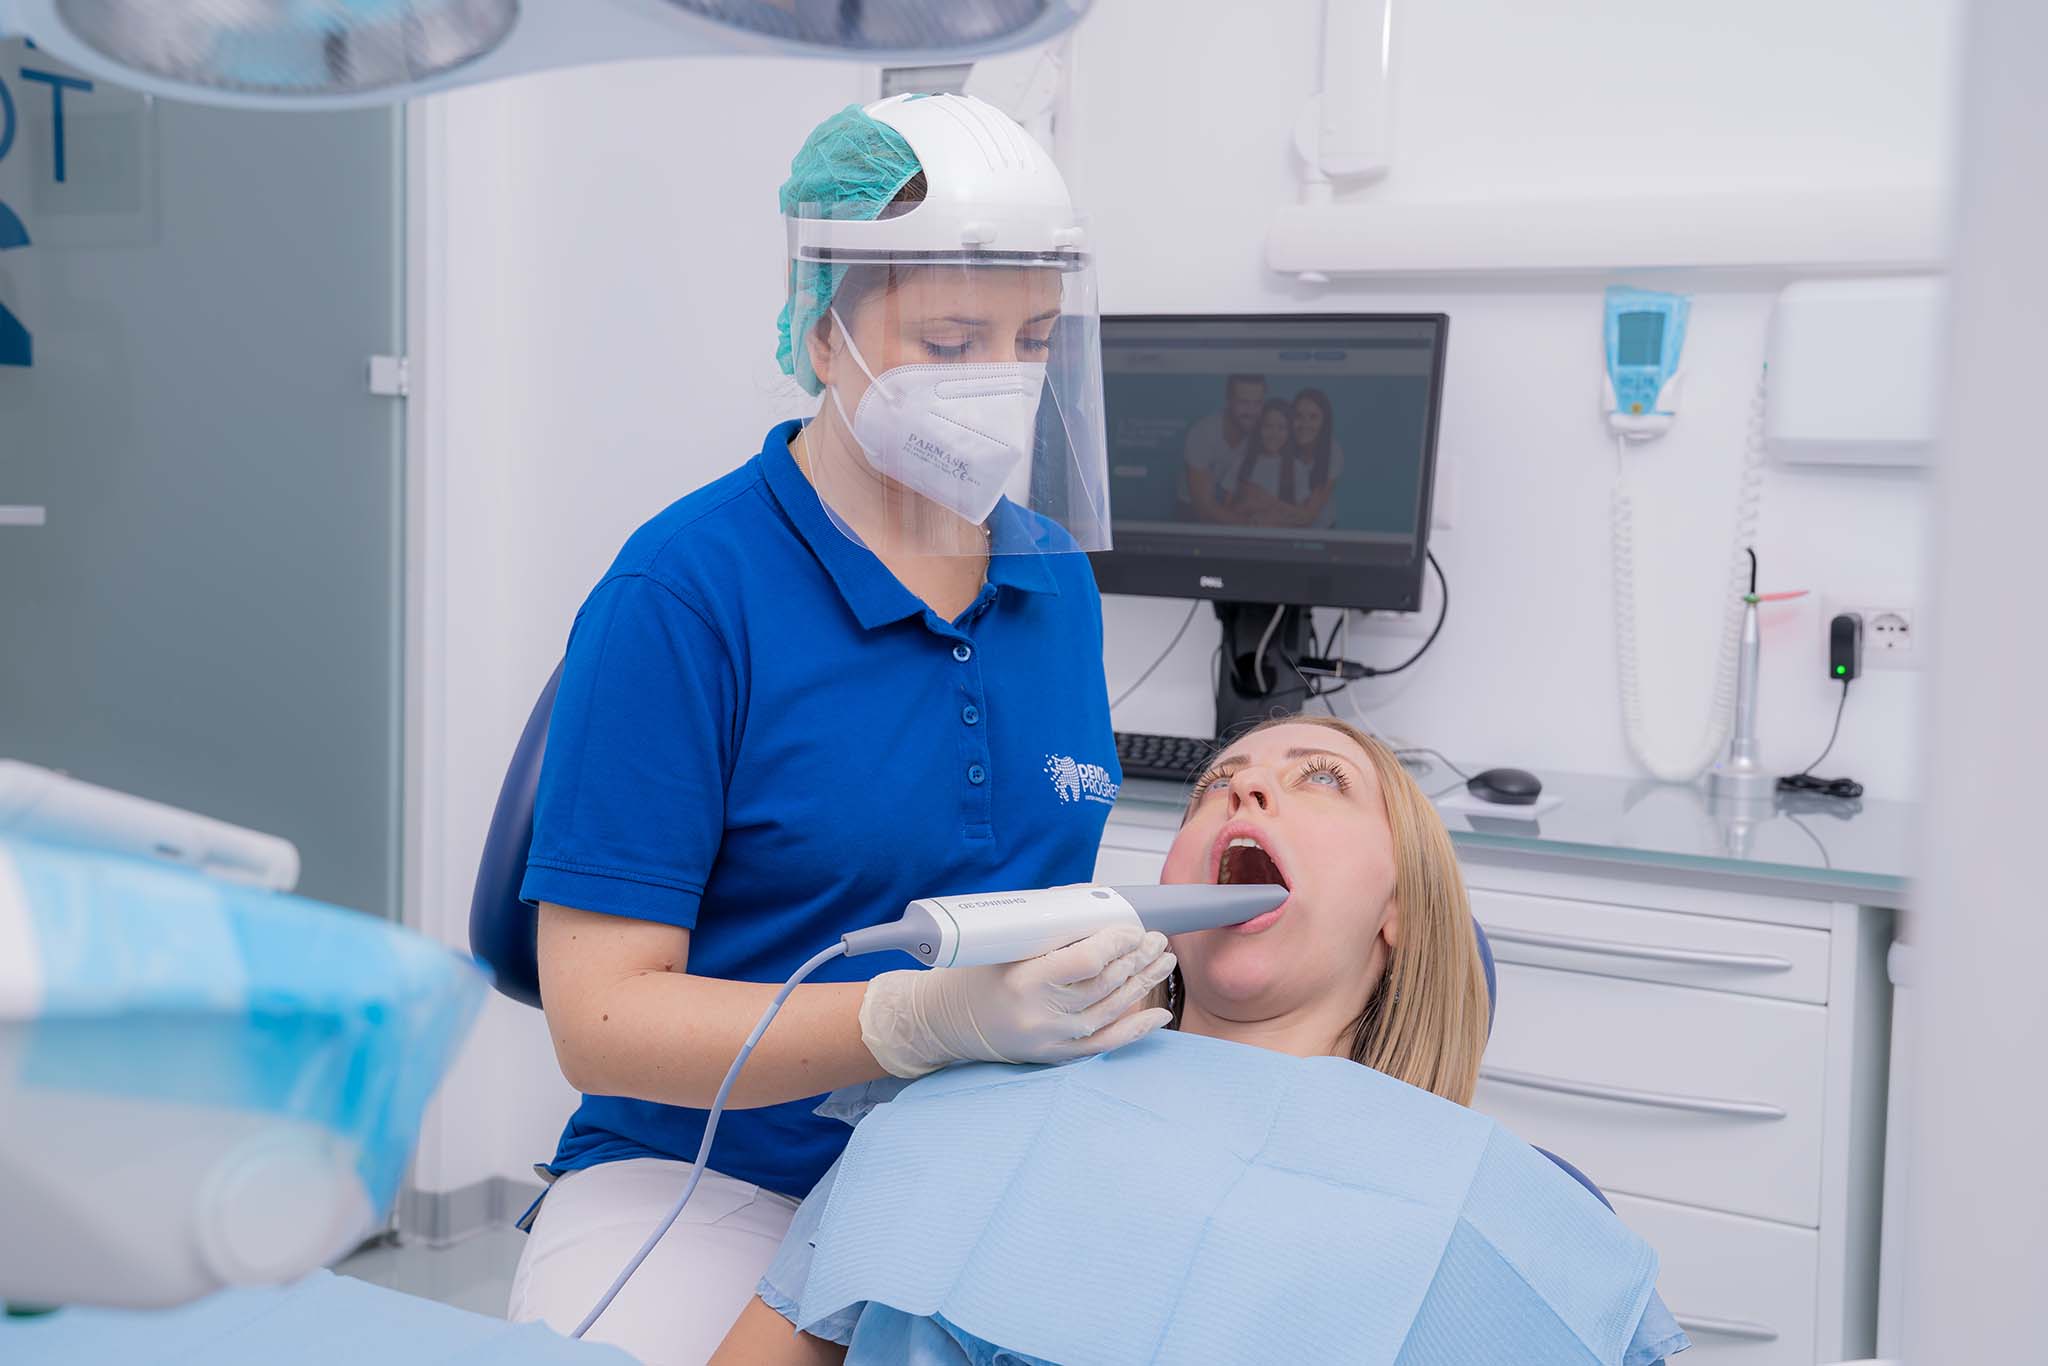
(1085, 998)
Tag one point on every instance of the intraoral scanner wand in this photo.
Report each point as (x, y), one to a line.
(1005, 927)
(968, 931)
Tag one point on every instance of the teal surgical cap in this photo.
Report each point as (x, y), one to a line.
(850, 166)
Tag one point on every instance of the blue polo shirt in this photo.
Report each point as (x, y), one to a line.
(765, 738)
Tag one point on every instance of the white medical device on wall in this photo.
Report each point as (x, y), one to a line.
(343, 53)
(1344, 134)
(1856, 368)
(1346, 131)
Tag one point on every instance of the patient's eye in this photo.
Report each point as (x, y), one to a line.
(1325, 772)
(1214, 780)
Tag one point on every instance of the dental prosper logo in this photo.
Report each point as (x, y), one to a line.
(1078, 782)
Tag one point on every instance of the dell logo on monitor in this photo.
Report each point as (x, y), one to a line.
(1211, 581)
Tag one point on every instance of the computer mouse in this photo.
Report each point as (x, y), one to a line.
(1506, 786)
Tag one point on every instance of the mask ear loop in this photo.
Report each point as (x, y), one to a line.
(858, 359)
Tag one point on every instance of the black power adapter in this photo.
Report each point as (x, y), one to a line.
(1845, 646)
(1845, 664)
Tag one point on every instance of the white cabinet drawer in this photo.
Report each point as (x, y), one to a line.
(1742, 1289)
(1701, 1097)
(1656, 946)
(1120, 867)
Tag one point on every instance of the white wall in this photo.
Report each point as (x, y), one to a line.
(602, 263)
(1179, 142)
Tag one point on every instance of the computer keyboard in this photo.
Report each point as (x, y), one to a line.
(1174, 758)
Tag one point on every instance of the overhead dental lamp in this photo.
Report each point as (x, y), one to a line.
(329, 54)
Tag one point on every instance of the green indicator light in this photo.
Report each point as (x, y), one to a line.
(1841, 668)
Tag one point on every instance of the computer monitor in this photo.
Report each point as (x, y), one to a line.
(1283, 458)
(1271, 463)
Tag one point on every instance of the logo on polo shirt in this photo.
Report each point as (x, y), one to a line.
(1078, 782)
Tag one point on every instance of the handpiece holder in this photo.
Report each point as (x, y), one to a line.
(1005, 927)
(1742, 777)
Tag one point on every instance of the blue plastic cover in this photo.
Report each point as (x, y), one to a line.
(323, 1320)
(148, 981)
(1190, 1200)
(1644, 335)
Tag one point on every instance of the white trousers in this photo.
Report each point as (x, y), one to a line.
(679, 1304)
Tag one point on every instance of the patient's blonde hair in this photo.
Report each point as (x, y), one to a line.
(1425, 1020)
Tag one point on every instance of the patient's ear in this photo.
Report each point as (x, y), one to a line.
(1390, 924)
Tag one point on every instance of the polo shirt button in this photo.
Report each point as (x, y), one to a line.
(970, 713)
(976, 774)
(963, 652)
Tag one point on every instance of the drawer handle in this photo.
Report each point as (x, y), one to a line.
(1704, 1105)
(1614, 948)
(23, 515)
(1726, 1328)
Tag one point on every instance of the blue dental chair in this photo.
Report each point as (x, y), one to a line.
(501, 926)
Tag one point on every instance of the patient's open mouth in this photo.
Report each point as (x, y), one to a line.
(1244, 860)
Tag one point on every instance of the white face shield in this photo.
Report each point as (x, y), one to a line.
(957, 340)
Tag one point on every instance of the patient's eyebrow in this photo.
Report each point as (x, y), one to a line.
(1235, 762)
(1297, 752)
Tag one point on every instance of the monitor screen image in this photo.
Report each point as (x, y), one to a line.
(1274, 459)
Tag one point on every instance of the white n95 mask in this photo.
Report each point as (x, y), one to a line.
(953, 433)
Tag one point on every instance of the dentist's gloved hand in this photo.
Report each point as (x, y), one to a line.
(1085, 998)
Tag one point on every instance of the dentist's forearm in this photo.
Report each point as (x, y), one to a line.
(626, 1020)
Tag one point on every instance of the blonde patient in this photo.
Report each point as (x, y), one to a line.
(1372, 957)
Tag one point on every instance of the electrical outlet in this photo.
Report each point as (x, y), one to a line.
(1891, 635)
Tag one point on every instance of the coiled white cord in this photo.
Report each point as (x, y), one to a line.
(711, 1119)
(1748, 504)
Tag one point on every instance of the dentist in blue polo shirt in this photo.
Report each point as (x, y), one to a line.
(863, 668)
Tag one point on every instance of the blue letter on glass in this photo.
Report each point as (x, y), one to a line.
(58, 85)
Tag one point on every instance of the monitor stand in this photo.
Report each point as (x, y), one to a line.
(1247, 694)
